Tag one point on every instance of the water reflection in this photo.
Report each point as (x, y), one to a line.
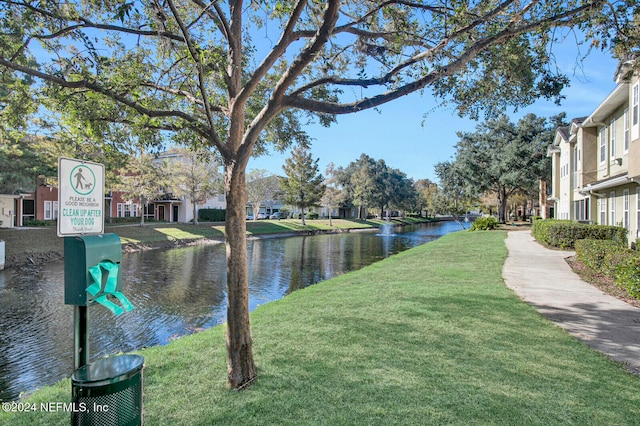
(175, 292)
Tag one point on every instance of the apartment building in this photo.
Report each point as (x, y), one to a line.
(596, 161)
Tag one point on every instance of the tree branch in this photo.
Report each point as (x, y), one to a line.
(83, 84)
(218, 17)
(195, 55)
(85, 23)
(275, 53)
(275, 104)
(187, 95)
(296, 100)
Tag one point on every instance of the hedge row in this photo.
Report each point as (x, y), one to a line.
(308, 215)
(612, 260)
(564, 233)
(212, 215)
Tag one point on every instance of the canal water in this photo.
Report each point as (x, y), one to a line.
(175, 292)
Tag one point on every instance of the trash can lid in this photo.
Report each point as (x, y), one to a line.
(113, 369)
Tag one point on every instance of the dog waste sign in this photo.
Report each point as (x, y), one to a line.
(80, 197)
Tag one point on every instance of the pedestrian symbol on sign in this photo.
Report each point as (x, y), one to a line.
(83, 184)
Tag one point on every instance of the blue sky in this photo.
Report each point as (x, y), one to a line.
(401, 135)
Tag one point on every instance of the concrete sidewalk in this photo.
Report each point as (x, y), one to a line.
(542, 278)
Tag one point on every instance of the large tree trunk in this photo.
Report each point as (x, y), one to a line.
(502, 206)
(143, 204)
(240, 364)
(195, 214)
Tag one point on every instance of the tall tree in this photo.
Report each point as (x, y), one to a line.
(399, 192)
(502, 157)
(194, 175)
(261, 186)
(20, 163)
(141, 180)
(190, 70)
(331, 197)
(366, 179)
(303, 186)
(426, 191)
(452, 197)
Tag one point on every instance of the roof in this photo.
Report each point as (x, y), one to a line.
(606, 184)
(618, 97)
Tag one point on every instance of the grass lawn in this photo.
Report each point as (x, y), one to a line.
(428, 336)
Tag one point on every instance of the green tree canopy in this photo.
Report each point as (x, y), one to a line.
(331, 197)
(370, 183)
(261, 186)
(426, 191)
(142, 179)
(20, 164)
(194, 175)
(500, 157)
(453, 196)
(303, 185)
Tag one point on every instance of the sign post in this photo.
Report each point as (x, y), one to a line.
(80, 197)
(80, 208)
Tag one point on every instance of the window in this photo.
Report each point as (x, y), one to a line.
(603, 144)
(55, 210)
(48, 210)
(603, 211)
(612, 208)
(127, 210)
(625, 218)
(587, 215)
(612, 138)
(574, 160)
(581, 210)
(578, 210)
(635, 105)
(626, 130)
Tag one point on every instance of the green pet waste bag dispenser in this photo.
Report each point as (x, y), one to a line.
(92, 272)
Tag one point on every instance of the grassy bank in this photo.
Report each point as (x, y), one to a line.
(38, 245)
(429, 336)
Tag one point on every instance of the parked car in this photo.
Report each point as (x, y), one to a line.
(262, 216)
(275, 215)
(249, 217)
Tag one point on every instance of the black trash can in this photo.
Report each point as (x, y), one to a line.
(108, 392)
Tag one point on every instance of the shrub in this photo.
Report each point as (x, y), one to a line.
(564, 233)
(600, 255)
(308, 215)
(612, 260)
(34, 222)
(129, 219)
(484, 223)
(627, 275)
(212, 215)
